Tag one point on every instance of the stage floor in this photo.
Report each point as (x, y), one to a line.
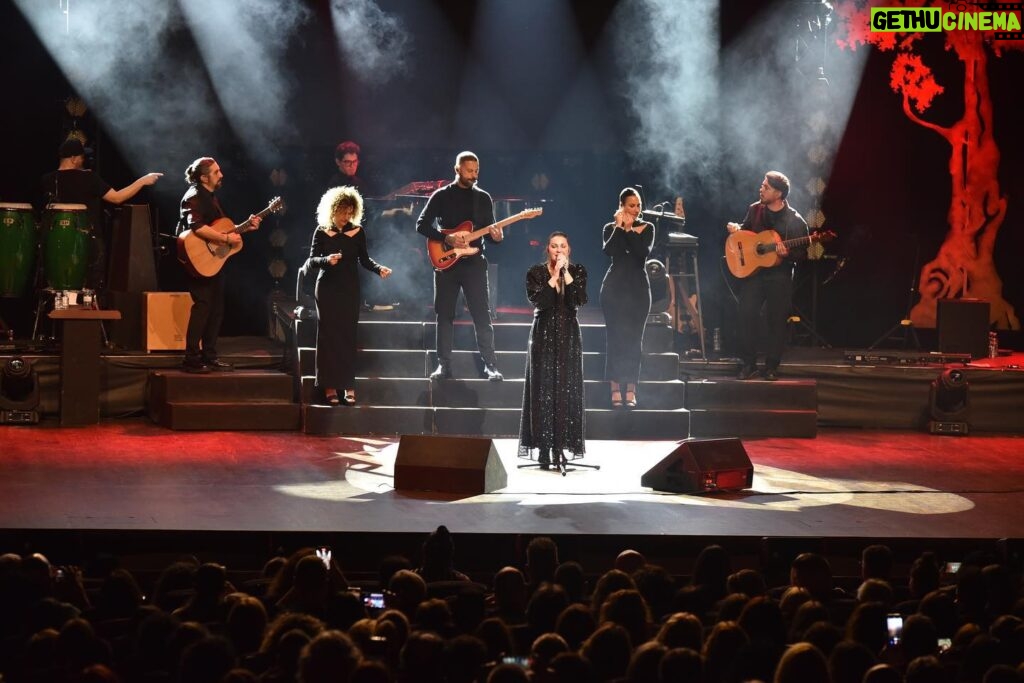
(131, 475)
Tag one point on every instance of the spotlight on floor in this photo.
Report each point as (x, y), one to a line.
(19, 393)
(949, 403)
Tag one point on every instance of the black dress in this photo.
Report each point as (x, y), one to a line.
(626, 300)
(553, 414)
(337, 304)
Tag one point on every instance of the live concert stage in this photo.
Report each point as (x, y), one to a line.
(907, 439)
(870, 470)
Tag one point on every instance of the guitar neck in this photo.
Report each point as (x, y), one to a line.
(795, 242)
(500, 224)
(245, 226)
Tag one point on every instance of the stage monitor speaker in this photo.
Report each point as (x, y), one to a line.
(448, 464)
(963, 326)
(701, 466)
(166, 318)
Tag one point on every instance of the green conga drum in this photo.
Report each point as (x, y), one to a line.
(17, 248)
(66, 252)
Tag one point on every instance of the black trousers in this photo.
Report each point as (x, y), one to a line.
(772, 289)
(469, 274)
(206, 317)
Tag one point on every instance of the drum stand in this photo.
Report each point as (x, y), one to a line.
(560, 463)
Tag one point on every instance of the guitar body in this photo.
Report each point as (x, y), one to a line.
(202, 258)
(746, 252)
(205, 259)
(443, 256)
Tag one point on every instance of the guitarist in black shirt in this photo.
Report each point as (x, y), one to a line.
(199, 209)
(771, 287)
(450, 206)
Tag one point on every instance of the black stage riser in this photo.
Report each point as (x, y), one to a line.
(239, 400)
(240, 385)
(728, 394)
(250, 416)
(752, 422)
(478, 393)
(495, 422)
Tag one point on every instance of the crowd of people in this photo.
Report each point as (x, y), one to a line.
(544, 619)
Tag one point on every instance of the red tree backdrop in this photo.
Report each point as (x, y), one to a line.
(963, 266)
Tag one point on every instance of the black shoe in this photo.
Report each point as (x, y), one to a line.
(492, 373)
(544, 459)
(771, 374)
(196, 367)
(747, 372)
(442, 372)
(219, 365)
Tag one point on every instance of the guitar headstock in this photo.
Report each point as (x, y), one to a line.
(823, 236)
(531, 213)
(276, 204)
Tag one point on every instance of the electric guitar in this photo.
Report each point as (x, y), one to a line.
(746, 252)
(443, 256)
(205, 259)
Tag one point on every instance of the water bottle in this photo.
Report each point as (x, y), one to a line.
(716, 340)
(86, 298)
(993, 345)
(59, 302)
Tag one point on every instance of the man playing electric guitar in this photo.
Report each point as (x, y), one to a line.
(773, 286)
(199, 209)
(453, 204)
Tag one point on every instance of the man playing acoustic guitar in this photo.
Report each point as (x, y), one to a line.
(199, 210)
(453, 204)
(772, 286)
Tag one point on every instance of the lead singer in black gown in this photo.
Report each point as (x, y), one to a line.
(626, 296)
(339, 243)
(553, 414)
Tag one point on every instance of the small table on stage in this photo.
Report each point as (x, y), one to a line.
(80, 364)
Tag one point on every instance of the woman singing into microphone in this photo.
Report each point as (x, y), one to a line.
(553, 414)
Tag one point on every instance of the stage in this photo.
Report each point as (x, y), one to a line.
(130, 475)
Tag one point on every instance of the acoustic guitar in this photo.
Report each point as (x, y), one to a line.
(443, 256)
(205, 259)
(746, 252)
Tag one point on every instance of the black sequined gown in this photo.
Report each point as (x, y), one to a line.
(553, 411)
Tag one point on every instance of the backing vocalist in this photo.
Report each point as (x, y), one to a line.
(553, 413)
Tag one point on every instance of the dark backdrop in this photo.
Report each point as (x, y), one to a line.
(887, 197)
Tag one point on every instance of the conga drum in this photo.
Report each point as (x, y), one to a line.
(17, 248)
(66, 252)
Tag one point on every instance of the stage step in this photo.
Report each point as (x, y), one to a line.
(492, 422)
(467, 364)
(508, 336)
(479, 393)
(254, 415)
(735, 408)
(239, 400)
